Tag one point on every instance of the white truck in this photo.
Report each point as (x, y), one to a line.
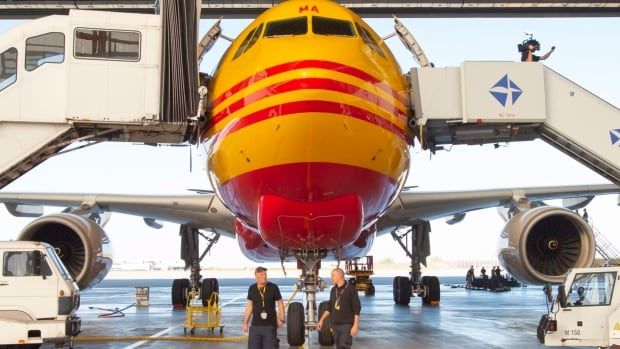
(586, 310)
(38, 297)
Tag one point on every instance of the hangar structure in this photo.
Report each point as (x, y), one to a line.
(91, 76)
(250, 8)
(150, 94)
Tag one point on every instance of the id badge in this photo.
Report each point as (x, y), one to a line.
(263, 315)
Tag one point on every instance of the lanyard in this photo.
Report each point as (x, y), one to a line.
(337, 305)
(261, 291)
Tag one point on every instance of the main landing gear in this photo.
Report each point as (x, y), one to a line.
(300, 323)
(190, 253)
(426, 287)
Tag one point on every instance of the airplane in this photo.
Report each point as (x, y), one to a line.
(308, 129)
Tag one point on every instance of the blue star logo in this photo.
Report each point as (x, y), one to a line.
(615, 136)
(504, 89)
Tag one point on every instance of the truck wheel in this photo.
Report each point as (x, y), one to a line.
(325, 334)
(209, 286)
(370, 290)
(542, 326)
(179, 292)
(432, 295)
(402, 290)
(295, 327)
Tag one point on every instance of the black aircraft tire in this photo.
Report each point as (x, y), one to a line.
(402, 290)
(325, 334)
(433, 294)
(179, 292)
(209, 286)
(295, 327)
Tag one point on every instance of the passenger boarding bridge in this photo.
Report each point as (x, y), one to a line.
(101, 76)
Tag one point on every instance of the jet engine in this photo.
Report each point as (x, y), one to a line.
(81, 244)
(540, 245)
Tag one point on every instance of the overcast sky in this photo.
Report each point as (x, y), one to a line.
(587, 53)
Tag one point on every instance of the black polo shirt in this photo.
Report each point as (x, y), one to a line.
(349, 302)
(271, 294)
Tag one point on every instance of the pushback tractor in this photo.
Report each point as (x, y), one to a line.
(585, 311)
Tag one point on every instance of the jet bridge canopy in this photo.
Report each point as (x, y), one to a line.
(492, 102)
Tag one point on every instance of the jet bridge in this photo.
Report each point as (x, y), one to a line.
(97, 76)
(494, 102)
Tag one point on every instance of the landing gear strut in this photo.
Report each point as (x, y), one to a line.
(310, 283)
(190, 253)
(425, 287)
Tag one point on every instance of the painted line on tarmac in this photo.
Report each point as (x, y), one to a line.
(158, 334)
(233, 300)
(163, 332)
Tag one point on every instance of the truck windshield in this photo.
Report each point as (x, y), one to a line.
(590, 289)
(58, 263)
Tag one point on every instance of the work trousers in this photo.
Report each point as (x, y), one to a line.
(262, 337)
(342, 336)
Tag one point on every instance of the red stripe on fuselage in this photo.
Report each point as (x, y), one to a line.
(310, 106)
(306, 84)
(282, 68)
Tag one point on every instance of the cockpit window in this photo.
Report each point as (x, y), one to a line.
(8, 68)
(249, 41)
(367, 38)
(287, 27)
(330, 26)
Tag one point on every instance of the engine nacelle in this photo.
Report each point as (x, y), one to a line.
(540, 245)
(81, 244)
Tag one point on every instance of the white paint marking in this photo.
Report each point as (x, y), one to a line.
(163, 332)
(158, 334)
(233, 300)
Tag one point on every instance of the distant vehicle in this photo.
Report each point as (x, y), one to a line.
(585, 311)
(38, 297)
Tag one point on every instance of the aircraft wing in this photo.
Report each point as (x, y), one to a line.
(417, 205)
(202, 211)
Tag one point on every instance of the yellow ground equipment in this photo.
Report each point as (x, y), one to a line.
(360, 270)
(199, 316)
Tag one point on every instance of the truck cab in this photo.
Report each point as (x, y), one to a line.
(38, 296)
(585, 311)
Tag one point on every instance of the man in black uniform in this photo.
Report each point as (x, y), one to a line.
(262, 299)
(344, 309)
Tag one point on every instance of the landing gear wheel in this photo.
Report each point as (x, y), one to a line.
(209, 286)
(402, 290)
(325, 334)
(295, 328)
(179, 292)
(432, 295)
(370, 291)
